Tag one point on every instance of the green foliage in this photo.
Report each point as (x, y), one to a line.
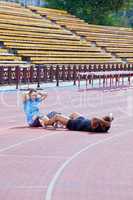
(104, 12)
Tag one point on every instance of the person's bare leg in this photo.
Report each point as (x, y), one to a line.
(75, 115)
(44, 121)
(62, 119)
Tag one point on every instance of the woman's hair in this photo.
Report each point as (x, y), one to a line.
(31, 91)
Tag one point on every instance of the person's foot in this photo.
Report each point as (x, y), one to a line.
(52, 114)
(57, 125)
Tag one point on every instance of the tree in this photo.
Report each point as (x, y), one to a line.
(92, 11)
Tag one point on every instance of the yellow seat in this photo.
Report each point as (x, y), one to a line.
(43, 41)
(10, 57)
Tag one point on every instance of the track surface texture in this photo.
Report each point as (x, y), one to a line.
(40, 164)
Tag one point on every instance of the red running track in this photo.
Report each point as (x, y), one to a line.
(39, 164)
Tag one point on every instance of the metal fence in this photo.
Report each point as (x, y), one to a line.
(42, 74)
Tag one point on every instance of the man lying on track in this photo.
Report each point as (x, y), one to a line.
(77, 122)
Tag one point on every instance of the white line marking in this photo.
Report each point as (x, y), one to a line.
(34, 156)
(26, 142)
(23, 187)
(11, 121)
(9, 117)
(69, 160)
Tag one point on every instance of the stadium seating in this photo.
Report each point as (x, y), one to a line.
(6, 56)
(28, 36)
(118, 41)
(12, 4)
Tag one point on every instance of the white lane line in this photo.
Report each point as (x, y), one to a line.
(23, 187)
(34, 156)
(7, 118)
(27, 141)
(12, 121)
(58, 173)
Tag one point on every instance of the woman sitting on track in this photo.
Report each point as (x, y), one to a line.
(77, 122)
(31, 102)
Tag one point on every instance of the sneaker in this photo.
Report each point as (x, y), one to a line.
(52, 114)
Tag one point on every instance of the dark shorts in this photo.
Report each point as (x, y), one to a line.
(36, 123)
(79, 124)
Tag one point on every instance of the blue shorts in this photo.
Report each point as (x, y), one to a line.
(36, 123)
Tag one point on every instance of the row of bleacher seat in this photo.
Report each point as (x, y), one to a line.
(113, 39)
(15, 5)
(33, 34)
(21, 11)
(7, 56)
